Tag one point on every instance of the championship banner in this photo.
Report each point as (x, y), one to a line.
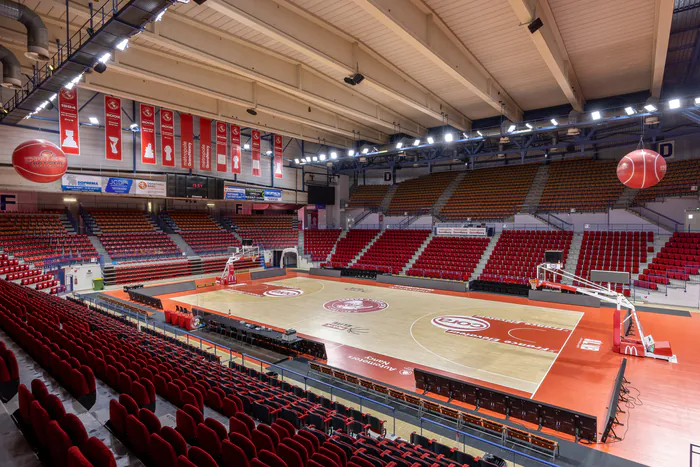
(186, 141)
(204, 143)
(148, 134)
(221, 140)
(235, 149)
(113, 128)
(167, 137)
(255, 152)
(278, 156)
(69, 125)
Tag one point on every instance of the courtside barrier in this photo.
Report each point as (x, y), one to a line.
(613, 407)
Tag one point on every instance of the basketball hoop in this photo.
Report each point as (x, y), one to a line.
(533, 283)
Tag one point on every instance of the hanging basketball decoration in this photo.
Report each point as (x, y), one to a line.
(39, 161)
(641, 168)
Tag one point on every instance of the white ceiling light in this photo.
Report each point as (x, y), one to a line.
(105, 58)
(511, 129)
(134, 127)
(674, 103)
(308, 159)
(52, 98)
(322, 157)
(246, 146)
(629, 110)
(314, 158)
(416, 142)
(697, 101)
(399, 145)
(449, 137)
(160, 15)
(94, 120)
(334, 155)
(479, 133)
(529, 127)
(123, 44)
(650, 108)
(296, 161)
(351, 152)
(267, 153)
(430, 140)
(595, 115)
(365, 150)
(554, 122)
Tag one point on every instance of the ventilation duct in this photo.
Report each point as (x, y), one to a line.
(37, 34)
(11, 74)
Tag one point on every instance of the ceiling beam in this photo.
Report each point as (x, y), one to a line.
(331, 48)
(430, 36)
(551, 47)
(663, 17)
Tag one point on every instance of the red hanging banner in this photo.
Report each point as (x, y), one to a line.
(278, 156)
(204, 143)
(148, 134)
(235, 149)
(167, 137)
(186, 141)
(221, 140)
(255, 151)
(113, 128)
(69, 125)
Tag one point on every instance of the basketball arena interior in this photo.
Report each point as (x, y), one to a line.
(350, 233)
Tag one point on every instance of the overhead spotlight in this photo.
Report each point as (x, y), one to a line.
(430, 140)
(52, 98)
(267, 153)
(334, 155)
(416, 142)
(105, 58)
(365, 150)
(674, 103)
(535, 25)
(296, 161)
(554, 122)
(511, 128)
(308, 159)
(315, 159)
(94, 120)
(246, 146)
(595, 115)
(160, 15)
(650, 108)
(449, 137)
(322, 157)
(351, 152)
(630, 110)
(123, 44)
(479, 133)
(399, 145)
(251, 111)
(354, 80)
(697, 101)
(529, 127)
(134, 127)
(100, 67)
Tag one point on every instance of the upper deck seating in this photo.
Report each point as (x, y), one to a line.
(450, 258)
(392, 250)
(367, 196)
(582, 184)
(682, 179)
(268, 231)
(419, 194)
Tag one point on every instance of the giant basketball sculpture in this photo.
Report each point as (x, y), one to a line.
(642, 168)
(39, 161)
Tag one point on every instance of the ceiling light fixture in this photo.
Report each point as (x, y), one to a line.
(351, 152)
(674, 103)
(554, 122)
(630, 110)
(511, 128)
(94, 120)
(650, 108)
(123, 44)
(430, 140)
(416, 142)
(449, 137)
(595, 115)
(399, 145)
(334, 155)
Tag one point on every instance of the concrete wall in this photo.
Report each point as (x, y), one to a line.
(83, 275)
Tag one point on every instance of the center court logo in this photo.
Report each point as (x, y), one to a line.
(283, 293)
(355, 305)
(460, 323)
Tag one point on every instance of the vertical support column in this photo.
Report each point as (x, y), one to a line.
(133, 135)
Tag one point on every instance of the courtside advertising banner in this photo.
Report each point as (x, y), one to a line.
(204, 143)
(167, 137)
(255, 153)
(113, 128)
(68, 123)
(235, 149)
(148, 134)
(221, 150)
(278, 156)
(186, 141)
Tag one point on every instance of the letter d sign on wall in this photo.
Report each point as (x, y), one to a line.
(667, 149)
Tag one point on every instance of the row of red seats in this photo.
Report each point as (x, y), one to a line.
(319, 242)
(349, 246)
(24, 272)
(210, 242)
(61, 437)
(9, 373)
(57, 290)
(8, 262)
(36, 279)
(452, 258)
(680, 255)
(127, 273)
(392, 250)
(46, 285)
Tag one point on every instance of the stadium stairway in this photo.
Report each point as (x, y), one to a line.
(417, 254)
(364, 250)
(384, 205)
(660, 241)
(100, 249)
(532, 199)
(574, 253)
(662, 225)
(343, 233)
(447, 194)
(182, 244)
(67, 224)
(485, 257)
(626, 198)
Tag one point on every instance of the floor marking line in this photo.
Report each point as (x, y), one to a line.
(521, 339)
(459, 364)
(555, 358)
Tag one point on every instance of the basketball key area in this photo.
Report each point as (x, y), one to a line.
(558, 355)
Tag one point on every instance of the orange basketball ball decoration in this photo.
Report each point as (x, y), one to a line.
(642, 168)
(39, 161)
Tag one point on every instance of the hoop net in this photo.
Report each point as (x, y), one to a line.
(228, 276)
(533, 283)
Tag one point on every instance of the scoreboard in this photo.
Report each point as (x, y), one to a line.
(194, 186)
